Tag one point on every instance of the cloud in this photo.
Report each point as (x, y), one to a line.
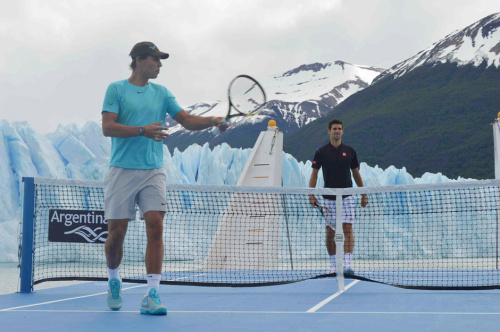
(59, 56)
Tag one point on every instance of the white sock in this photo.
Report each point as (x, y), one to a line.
(153, 281)
(114, 273)
(333, 262)
(348, 258)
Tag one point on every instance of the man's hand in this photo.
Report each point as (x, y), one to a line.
(218, 123)
(155, 131)
(364, 200)
(313, 200)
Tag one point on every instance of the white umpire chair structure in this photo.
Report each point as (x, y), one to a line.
(250, 240)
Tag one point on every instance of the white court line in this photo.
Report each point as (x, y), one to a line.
(433, 313)
(68, 299)
(325, 301)
(81, 297)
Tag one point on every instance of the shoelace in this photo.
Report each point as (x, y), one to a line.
(115, 290)
(155, 297)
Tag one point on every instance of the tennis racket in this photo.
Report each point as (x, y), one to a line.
(327, 215)
(246, 97)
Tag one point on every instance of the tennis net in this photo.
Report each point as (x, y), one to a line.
(439, 236)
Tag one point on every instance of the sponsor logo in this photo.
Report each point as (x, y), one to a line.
(80, 226)
(152, 47)
(139, 92)
(111, 104)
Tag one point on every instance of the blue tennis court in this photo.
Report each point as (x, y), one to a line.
(411, 236)
(312, 305)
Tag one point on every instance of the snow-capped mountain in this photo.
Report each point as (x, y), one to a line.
(295, 97)
(477, 43)
(422, 108)
(310, 91)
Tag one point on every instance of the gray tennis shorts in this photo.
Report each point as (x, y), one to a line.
(347, 211)
(127, 187)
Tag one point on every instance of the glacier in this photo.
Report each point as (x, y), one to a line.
(82, 153)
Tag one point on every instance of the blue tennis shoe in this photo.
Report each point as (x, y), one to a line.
(151, 304)
(115, 294)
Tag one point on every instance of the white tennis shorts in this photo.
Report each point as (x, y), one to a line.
(347, 211)
(127, 187)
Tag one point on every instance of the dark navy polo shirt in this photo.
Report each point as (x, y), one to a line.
(336, 164)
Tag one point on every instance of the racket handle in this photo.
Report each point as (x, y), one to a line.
(217, 130)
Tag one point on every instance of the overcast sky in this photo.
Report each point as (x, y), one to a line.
(58, 57)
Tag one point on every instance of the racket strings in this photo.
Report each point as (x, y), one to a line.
(246, 95)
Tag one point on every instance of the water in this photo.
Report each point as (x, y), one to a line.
(9, 276)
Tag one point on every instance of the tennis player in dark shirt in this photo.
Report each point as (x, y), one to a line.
(338, 160)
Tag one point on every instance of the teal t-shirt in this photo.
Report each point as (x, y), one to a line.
(138, 106)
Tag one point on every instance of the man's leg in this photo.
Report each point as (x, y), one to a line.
(154, 247)
(117, 229)
(331, 248)
(151, 303)
(349, 238)
(330, 241)
(348, 245)
(347, 220)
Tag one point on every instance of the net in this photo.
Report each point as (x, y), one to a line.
(442, 236)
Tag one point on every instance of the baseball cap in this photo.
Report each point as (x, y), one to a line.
(147, 48)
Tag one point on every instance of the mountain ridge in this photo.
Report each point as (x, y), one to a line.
(295, 98)
(473, 44)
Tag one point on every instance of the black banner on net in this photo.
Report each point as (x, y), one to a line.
(77, 226)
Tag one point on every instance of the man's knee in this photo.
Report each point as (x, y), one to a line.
(154, 232)
(154, 225)
(117, 229)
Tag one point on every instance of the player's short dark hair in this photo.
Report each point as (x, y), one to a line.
(335, 121)
(134, 63)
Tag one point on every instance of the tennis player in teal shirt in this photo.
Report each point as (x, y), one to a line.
(133, 115)
(136, 106)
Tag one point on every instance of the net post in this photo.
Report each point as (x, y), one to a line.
(339, 242)
(496, 147)
(287, 231)
(496, 151)
(26, 272)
